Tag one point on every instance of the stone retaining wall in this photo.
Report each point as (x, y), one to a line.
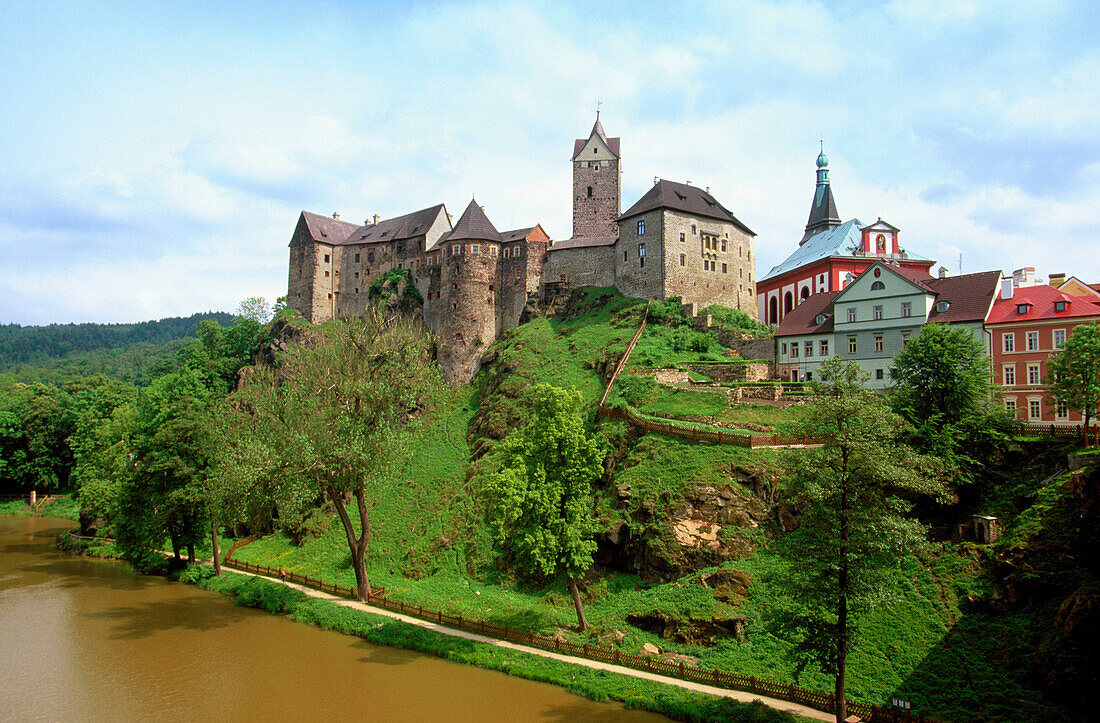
(745, 372)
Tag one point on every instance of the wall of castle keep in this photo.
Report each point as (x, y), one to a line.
(708, 261)
(596, 191)
(309, 287)
(582, 266)
(470, 321)
(637, 275)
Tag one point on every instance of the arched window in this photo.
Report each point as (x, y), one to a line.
(788, 302)
(805, 293)
(878, 286)
(773, 312)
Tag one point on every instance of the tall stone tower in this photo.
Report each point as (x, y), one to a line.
(596, 185)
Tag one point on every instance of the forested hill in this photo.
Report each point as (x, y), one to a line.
(48, 345)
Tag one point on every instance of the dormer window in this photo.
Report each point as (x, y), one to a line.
(681, 196)
(942, 306)
(819, 319)
(1021, 308)
(1059, 306)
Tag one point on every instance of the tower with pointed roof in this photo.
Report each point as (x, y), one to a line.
(823, 213)
(596, 184)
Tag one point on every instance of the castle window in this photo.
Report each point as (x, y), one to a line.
(723, 246)
(356, 258)
(326, 258)
(326, 274)
(454, 285)
(590, 191)
(454, 306)
(302, 254)
(596, 168)
(595, 150)
(641, 227)
(681, 236)
(517, 273)
(489, 301)
(624, 254)
(641, 250)
(357, 290)
(682, 259)
(692, 229)
(475, 249)
(493, 251)
(641, 262)
(370, 256)
(723, 268)
(357, 274)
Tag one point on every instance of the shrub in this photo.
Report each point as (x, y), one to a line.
(636, 390)
(195, 573)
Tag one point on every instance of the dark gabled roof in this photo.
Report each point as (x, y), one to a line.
(970, 296)
(597, 130)
(410, 225)
(516, 234)
(326, 229)
(473, 225)
(802, 319)
(584, 242)
(823, 213)
(685, 198)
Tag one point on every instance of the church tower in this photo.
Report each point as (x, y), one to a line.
(823, 213)
(596, 185)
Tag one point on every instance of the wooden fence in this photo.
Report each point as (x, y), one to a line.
(626, 355)
(678, 669)
(709, 435)
(1074, 431)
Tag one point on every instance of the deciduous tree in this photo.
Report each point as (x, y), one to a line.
(854, 496)
(540, 499)
(328, 419)
(1074, 373)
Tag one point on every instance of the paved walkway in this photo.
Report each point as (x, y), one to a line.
(743, 696)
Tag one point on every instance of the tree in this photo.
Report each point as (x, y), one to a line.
(1074, 373)
(328, 420)
(255, 308)
(541, 508)
(854, 495)
(943, 373)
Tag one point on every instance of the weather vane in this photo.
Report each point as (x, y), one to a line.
(598, 104)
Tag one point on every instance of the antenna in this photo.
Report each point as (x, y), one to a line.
(960, 264)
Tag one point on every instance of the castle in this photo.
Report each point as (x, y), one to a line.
(676, 240)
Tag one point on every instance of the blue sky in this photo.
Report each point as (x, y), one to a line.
(155, 156)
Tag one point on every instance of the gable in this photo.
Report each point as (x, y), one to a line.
(864, 287)
(594, 149)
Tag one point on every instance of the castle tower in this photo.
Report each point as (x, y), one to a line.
(596, 184)
(469, 284)
(823, 213)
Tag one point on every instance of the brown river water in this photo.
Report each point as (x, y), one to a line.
(88, 640)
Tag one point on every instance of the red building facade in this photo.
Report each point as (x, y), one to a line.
(1027, 327)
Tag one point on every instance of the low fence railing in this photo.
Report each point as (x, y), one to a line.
(709, 435)
(677, 669)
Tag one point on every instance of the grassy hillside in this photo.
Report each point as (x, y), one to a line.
(940, 644)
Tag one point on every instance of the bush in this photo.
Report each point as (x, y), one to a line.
(636, 390)
(196, 573)
(687, 339)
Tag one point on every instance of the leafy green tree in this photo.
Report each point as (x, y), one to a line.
(943, 373)
(34, 428)
(328, 420)
(255, 308)
(854, 496)
(1074, 373)
(540, 499)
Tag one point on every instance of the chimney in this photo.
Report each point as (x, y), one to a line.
(1057, 279)
(1006, 288)
(943, 272)
(377, 218)
(336, 215)
(450, 220)
(482, 209)
(1024, 277)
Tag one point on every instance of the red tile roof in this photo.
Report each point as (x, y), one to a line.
(802, 319)
(1040, 305)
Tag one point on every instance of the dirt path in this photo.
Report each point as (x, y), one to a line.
(783, 705)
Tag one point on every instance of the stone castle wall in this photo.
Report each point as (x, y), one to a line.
(596, 192)
(720, 272)
(469, 322)
(636, 274)
(581, 266)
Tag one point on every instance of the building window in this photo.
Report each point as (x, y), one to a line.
(356, 258)
(1010, 406)
(1033, 374)
(1034, 409)
(1059, 338)
(681, 235)
(590, 191)
(851, 345)
(723, 245)
(824, 351)
(641, 227)
(905, 339)
(784, 347)
(723, 268)
(878, 342)
(326, 258)
(475, 249)
(879, 374)
(878, 286)
(794, 350)
(624, 254)
(1061, 412)
(906, 308)
(1033, 341)
(692, 229)
(641, 250)
(1008, 374)
(683, 260)
(877, 313)
(809, 348)
(492, 250)
(370, 256)
(326, 274)
(1059, 306)
(357, 290)
(517, 273)
(851, 314)
(1021, 308)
